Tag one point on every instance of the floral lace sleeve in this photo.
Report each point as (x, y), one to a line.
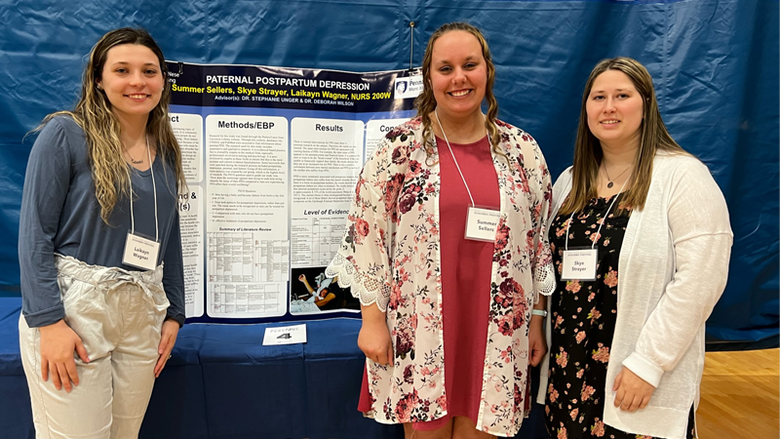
(362, 262)
(544, 276)
(539, 174)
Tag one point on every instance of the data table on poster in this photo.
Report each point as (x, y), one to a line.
(247, 299)
(247, 277)
(316, 240)
(239, 257)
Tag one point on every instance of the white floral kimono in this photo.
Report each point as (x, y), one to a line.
(391, 255)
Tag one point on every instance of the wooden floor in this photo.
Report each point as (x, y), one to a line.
(739, 395)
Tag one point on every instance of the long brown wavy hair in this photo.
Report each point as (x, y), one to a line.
(110, 171)
(587, 148)
(426, 102)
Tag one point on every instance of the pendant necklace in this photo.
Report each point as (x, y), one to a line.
(134, 161)
(610, 182)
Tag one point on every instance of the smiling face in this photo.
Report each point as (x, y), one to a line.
(458, 74)
(132, 80)
(615, 110)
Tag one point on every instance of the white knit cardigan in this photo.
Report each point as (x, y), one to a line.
(672, 270)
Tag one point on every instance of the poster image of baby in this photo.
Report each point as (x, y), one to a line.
(312, 292)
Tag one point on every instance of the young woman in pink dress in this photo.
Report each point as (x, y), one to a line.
(449, 329)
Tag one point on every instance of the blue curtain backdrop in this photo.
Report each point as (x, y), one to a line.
(715, 65)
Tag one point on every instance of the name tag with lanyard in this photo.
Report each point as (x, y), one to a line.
(581, 264)
(140, 251)
(481, 224)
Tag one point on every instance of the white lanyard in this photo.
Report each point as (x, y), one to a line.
(139, 251)
(154, 188)
(598, 232)
(481, 224)
(436, 113)
(581, 264)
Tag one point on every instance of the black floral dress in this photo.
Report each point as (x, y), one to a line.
(583, 322)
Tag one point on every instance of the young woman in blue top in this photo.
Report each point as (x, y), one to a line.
(100, 247)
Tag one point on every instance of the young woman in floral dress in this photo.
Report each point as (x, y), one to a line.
(449, 330)
(641, 240)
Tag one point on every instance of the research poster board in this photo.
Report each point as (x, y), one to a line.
(271, 156)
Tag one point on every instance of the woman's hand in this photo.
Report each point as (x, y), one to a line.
(58, 341)
(632, 392)
(374, 337)
(170, 330)
(537, 343)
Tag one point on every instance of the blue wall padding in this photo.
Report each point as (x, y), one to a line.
(715, 65)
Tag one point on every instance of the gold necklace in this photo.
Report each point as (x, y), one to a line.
(611, 182)
(134, 161)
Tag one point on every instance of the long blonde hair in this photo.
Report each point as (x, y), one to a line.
(587, 148)
(110, 171)
(426, 102)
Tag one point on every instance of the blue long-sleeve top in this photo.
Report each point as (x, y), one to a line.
(60, 214)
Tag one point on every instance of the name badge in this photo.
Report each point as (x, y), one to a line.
(481, 224)
(141, 252)
(579, 264)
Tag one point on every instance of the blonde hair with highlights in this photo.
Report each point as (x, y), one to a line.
(426, 102)
(587, 148)
(110, 171)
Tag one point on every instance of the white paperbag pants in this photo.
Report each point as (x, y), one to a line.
(118, 314)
